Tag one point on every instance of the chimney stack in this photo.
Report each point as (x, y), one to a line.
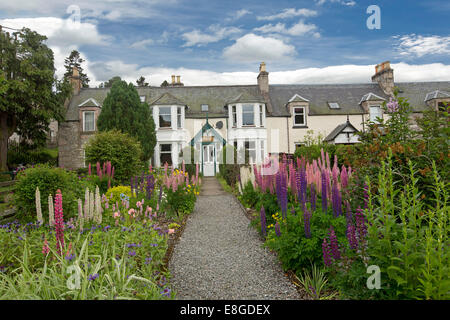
(173, 79)
(75, 80)
(384, 76)
(263, 78)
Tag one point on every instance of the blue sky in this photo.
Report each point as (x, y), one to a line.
(223, 42)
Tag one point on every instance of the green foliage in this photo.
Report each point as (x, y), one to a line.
(74, 60)
(122, 110)
(18, 155)
(48, 180)
(189, 160)
(297, 252)
(31, 95)
(116, 192)
(125, 266)
(182, 200)
(315, 283)
(121, 149)
(229, 169)
(250, 196)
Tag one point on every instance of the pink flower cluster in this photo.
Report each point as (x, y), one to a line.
(59, 223)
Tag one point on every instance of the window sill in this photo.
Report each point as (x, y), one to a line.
(88, 132)
(165, 128)
(299, 127)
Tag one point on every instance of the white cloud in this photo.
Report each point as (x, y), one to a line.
(349, 3)
(333, 74)
(289, 13)
(417, 45)
(215, 34)
(241, 13)
(254, 48)
(63, 36)
(103, 9)
(297, 29)
(142, 44)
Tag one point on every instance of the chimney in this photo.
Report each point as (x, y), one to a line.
(178, 79)
(173, 79)
(75, 80)
(384, 76)
(263, 78)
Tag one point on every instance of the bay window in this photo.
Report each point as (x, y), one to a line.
(165, 117)
(248, 115)
(165, 154)
(250, 149)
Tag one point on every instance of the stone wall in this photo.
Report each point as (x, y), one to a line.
(69, 146)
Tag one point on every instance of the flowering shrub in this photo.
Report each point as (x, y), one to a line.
(114, 194)
(181, 192)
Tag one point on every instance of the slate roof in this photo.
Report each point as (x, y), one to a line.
(333, 134)
(348, 96)
(437, 94)
(416, 92)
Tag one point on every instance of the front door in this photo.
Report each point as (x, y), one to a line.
(209, 160)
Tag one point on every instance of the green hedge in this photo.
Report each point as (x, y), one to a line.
(48, 180)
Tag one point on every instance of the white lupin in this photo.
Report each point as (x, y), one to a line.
(86, 204)
(91, 206)
(51, 211)
(38, 206)
(80, 214)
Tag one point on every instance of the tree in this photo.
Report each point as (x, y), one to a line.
(141, 82)
(123, 110)
(165, 84)
(31, 95)
(74, 60)
(109, 83)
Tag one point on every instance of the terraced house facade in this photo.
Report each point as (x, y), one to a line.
(263, 119)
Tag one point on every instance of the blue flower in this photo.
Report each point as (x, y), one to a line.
(132, 253)
(165, 292)
(92, 277)
(70, 257)
(148, 260)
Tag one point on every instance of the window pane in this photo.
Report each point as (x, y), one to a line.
(166, 148)
(166, 157)
(261, 115)
(299, 110)
(248, 117)
(89, 121)
(299, 119)
(165, 120)
(375, 112)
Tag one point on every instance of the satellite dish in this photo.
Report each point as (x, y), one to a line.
(219, 124)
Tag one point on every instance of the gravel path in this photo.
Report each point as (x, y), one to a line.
(219, 255)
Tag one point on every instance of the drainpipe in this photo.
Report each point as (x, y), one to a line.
(288, 134)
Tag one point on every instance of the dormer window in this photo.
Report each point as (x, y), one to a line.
(88, 121)
(375, 113)
(299, 117)
(165, 117)
(248, 115)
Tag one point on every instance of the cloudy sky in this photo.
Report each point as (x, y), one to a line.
(222, 42)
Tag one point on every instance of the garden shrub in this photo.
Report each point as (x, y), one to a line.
(116, 192)
(229, 171)
(295, 251)
(17, 156)
(121, 149)
(249, 196)
(48, 180)
(189, 166)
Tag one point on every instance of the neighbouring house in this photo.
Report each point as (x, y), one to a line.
(262, 119)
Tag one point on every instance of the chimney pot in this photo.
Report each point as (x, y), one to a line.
(173, 79)
(262, 67)
(178, 79)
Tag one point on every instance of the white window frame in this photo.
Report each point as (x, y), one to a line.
(294, 113)
(261, 151)
(372, 117)
(233, 116)
(84, 121)
(261, 115)
(247, 112)
(251, 160)
(165, 152)
(142, 98)
(159, 115)
(179, 117)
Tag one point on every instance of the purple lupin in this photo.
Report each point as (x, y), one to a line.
(312, 199)
(326, 251)
(307, 223)
(263, 221)
(334, 244)
(351, 236)
(277, 229)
